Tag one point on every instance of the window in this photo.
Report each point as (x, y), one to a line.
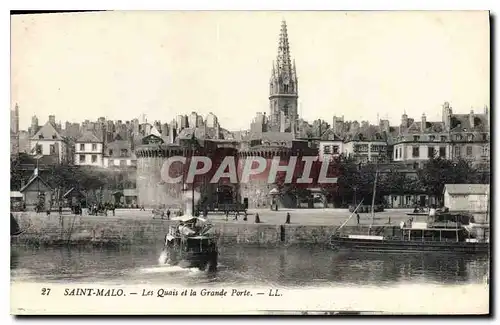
(431, 152)
(469, 150)
(416, 138)
(39, 149)
(82, 158)
(432, 138)
(443, 138)
(485, 137)
(456, 151)
(400, 152)
(52, 149)
(470, 137)
(486, 151)
(458, 137)
(54, 136)
(82, 146)
(123, 163)
(396, 153)
(94, 159)
(415, 152)
(94, 146)
(40, 136)
(110, 152)
(327, 150)
(442, 152)
(335, 149)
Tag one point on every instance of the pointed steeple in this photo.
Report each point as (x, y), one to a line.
(283, 59)
(283, 87)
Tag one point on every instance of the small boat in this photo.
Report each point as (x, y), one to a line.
(191, 243)
(440, 235)
(15, 230)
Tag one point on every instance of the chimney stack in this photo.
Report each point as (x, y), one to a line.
(424, 122)
(471, 118)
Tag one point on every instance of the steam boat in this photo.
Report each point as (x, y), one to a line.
(443, 232)
(191, 243)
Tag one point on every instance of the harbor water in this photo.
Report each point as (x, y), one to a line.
(285, 267)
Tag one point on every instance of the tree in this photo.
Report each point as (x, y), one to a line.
(438, 171)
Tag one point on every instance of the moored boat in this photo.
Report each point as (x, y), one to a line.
(440, 234)
(15, 230)
(191, 243)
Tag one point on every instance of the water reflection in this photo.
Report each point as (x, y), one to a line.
(284, 266)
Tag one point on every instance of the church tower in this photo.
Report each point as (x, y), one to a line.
(283, 88)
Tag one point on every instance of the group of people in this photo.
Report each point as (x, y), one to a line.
(97, 208)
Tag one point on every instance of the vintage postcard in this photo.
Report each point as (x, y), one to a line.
(250, 162)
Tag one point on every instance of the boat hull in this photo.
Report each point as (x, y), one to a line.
(205, 259)
(405, 246)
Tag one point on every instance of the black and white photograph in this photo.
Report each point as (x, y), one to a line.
(250, 163)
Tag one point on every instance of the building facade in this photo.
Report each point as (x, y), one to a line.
(89, 150)
(47, 141)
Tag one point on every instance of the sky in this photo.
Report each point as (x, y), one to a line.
(359, 65)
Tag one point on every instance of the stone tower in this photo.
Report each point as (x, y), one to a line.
(283, 88)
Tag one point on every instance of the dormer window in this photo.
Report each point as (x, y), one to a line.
(40, 136)
(54, 136)
(416, 138)
(443, 138)
(458, 137)
(110, 152)
(432, 138)
(470, 137)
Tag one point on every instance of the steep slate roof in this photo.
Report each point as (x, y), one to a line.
(88, 137)
(371, 133)
(48, 131)
(456, 189)
(480, 123)
(330, 135)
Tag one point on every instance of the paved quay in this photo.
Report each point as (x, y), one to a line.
(316, 217)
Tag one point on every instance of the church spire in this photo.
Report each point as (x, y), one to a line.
(283, 87)
(283, 58)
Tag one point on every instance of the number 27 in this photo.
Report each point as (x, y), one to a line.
(45, 291)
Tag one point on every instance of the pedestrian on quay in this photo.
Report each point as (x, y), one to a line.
(245, 217)
(168, 214)
(227, 214)
(257, 218)
(287, 218)
(236, 214)
(60, 209)
(357, 217)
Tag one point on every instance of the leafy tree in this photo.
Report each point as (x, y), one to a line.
(438, 171)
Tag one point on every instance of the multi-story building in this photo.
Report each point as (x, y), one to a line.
(89, 150)
(331, 145)
(47, 141)
(119, 154)
(463, 136)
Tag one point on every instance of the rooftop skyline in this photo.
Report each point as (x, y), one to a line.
(357, 64)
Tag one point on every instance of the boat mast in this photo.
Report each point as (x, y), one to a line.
(373, 198)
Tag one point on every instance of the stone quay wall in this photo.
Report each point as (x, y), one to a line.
(79, 231)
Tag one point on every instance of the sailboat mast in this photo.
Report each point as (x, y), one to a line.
(373, 198)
